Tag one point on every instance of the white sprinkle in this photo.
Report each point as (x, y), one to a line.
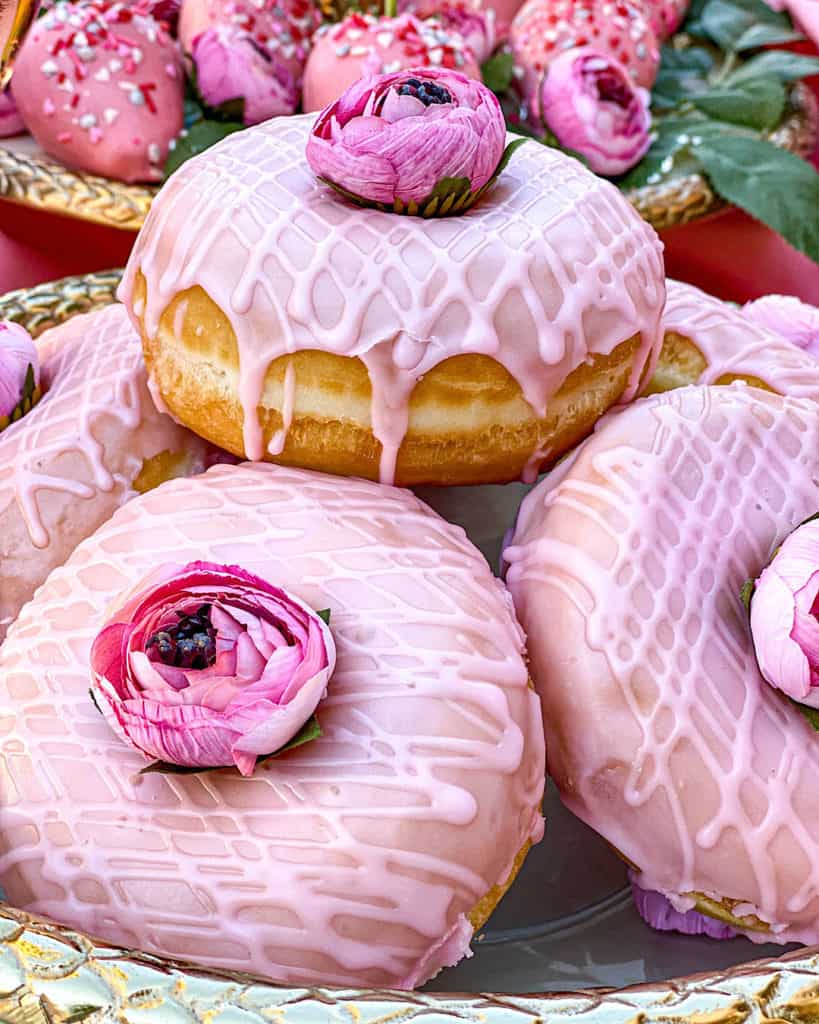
(154, 153)
(359, 51)
(436, 56)
(103, 75)
(61, 13)
(81, 39)
(110, 114)
(115, 64)
(392, 67)
(49, 69)
(136, 97)
(384, 39)
(137, 55)
(86, 53)
(354, 33)
(87, 121)
(342, 51)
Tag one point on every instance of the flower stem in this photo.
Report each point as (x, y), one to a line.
(390, 8)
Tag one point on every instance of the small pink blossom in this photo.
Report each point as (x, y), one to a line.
(791, 319)
(784, 622)
(209, 666)
(231, 66)
(590, 103)
(397, 136)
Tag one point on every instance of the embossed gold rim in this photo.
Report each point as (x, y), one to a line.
(51, 974)
(35, 182)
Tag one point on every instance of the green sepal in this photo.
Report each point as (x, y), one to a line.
(311, 730)
(812, 714)
(449, 196)
(746, 593)
(30, 397)
(324, 615)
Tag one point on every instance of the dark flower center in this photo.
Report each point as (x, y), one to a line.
(427, 92)
(188, 643)
(612, 89)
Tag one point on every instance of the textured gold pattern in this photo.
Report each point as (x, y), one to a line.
(33, 181)
(50, 304)
(49, 974)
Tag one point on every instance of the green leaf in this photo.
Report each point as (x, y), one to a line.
(497, 71)
(324, 615)
(682, 73)
(447, 187)
(787, 67)
(766, 35)
(311, 730)
(757, 103)
(672, 150)
(746, 593)
(232, 111)
(769, 183)
(196, 140)
(812, 714)
(507, 155)
(727, 21)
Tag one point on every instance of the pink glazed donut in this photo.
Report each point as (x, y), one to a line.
(626, 567)
(366, 857)
(101, 88)
(91, 442)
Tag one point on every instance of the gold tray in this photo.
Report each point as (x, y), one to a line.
(30, 178)
(50, 973)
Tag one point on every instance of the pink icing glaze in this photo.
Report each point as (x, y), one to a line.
(732, 344)
(101, 88)
(10, 121)
(365, 45)
(283, 28)
(553, 266)
(626, 570)
(666, 16)
(70, 462)
(544, 28)
(351, 860)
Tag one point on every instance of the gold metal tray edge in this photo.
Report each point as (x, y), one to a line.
(33, 181)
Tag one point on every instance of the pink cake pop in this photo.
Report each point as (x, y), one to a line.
(282, 28)
(10, 121)
(363, 44)
(101, 88)
(545, 28)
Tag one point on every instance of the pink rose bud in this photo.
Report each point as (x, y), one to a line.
(209, 666)
(791, 319)
(231, 66)
(17, 355)
(592, 106)
(784, 610)
(10, 121)
(659, 913)
(395, 137)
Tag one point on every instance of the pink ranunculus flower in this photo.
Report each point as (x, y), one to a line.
(17, 354)
(397, 136)
(789, 317)
(231, 66)
(590, 103)
(209, 666)
(784, 610)
(659, 913)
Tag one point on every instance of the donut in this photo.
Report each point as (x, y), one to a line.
(101, 88)
(368, 856)
(283, 323)
(363, 44)
(92, 441)
(706, 341)
(626, 567)
(543, 29)
(10, 121)
(283, 29)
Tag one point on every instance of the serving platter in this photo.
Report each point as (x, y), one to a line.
(30, 178)
(568, 923)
